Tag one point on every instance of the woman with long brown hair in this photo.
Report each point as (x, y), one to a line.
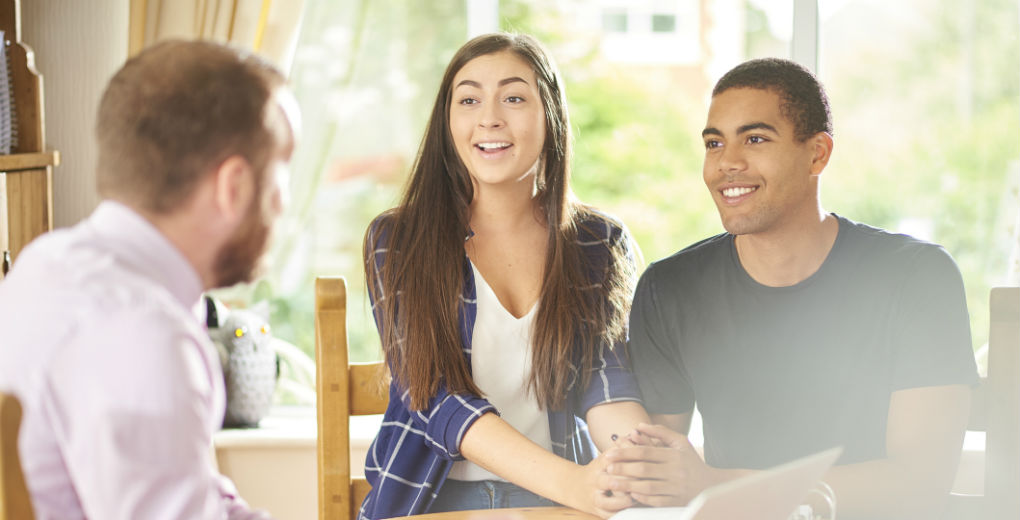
(501, 302)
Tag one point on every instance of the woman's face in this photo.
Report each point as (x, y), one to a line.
(497, 119)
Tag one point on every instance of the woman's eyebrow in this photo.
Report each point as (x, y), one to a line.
(502, 82)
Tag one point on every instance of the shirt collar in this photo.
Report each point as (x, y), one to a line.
(141, 245)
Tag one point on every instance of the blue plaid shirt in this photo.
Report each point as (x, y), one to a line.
(411, 456)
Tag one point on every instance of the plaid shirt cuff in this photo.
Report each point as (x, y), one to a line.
(453, 418)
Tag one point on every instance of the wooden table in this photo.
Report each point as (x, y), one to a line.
(518, 513)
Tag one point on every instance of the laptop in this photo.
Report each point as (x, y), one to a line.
(771, 494)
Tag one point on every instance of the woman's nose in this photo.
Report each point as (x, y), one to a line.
(491, 116)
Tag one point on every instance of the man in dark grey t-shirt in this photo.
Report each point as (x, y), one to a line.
(797, 329)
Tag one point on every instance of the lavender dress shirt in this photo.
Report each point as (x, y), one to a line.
(120, 385)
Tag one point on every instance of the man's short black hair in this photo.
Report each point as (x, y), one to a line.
(804, 101)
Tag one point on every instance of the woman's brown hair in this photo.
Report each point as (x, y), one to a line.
(582, 305)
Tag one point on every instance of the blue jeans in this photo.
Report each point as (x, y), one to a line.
(459, 495)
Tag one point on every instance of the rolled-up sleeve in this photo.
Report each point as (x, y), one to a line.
(449, 419)
(611, 380)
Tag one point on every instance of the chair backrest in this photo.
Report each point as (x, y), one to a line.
(15, 503)
(342, 389)
(995, 410)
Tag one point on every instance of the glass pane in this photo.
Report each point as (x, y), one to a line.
(365, 75)
(614, 21)
(638, 102)
(926, 105)
(768, 29)
(663, 23)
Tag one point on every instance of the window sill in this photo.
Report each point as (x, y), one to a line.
(293, 427)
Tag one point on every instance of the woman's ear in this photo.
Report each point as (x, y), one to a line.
(235, 187)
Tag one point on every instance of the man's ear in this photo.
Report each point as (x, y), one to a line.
(821, 147)
(235, 187)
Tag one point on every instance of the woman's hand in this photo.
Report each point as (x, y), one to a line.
(585, 493)
(494, 445)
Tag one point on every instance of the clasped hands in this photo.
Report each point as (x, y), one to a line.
(654, 466)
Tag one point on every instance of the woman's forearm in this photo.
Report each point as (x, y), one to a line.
(493, 444)
(617, 418)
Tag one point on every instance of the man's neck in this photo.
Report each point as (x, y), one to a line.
(191, 234)
(790, 255)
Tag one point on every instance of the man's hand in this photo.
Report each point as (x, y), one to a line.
(658, 467)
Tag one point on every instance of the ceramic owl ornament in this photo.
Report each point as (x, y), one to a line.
(250, 367)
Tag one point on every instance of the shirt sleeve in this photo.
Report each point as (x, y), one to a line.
(443, 422)
(236, 507)
(611, 378)
(135, 404)
(931, 340)
(655, 351)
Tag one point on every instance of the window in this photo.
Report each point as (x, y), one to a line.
(365, 75)
(926, 104)
(925, 101)
(655, 32)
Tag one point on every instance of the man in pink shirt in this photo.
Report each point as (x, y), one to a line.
(120, 385)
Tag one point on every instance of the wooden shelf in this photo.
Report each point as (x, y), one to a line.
(26, 176)
(28, 161)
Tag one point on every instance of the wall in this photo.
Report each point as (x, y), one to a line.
(274, 465)
(78, 46)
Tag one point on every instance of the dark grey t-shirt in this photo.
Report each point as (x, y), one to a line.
(782, 372)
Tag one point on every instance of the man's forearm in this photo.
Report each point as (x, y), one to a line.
(884, 489)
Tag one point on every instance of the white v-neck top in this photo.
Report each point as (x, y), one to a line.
(500, 366)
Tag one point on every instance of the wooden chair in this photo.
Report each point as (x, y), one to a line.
(15, 503)
(995, 409)
(343, 389)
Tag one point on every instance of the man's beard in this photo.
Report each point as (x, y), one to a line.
(239, 259)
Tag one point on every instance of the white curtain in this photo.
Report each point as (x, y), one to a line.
(267, 27)
(1013, 270)
(1013, 274)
